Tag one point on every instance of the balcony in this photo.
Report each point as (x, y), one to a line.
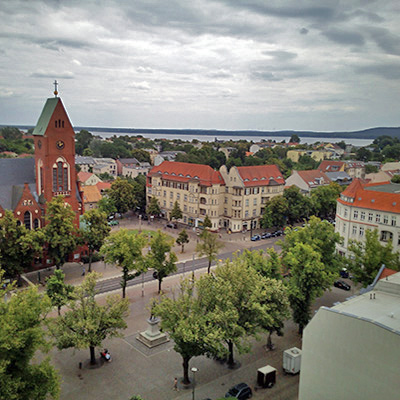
(203, 200)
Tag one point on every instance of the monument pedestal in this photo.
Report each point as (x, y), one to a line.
(152, 337)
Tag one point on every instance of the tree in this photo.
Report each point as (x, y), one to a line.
(182, 239)
(60, 231)
(86, 324)
(57, 290)
(308, 279)
(275, 212)
(82, 141)
(187, 325)
(139, 191)
(21, 336)
(369, 256)
(18, 245)
(153, 207)
(298, 205)
(294, 138)
(10, 133)
(107, 206)
(95, 231)
(363, 154)
(395, 179)
(324, 199)
(122, 195)
(124, 249)
(160, 256)
(242, 303)
(176, 212)
(209, 246)
(207, 222)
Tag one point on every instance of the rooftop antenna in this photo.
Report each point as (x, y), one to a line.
(55, 88)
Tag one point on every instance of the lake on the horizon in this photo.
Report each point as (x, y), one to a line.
(211, 138)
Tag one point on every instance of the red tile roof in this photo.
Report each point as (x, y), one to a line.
(84, 176)
(314, 177)
(370, 199)
(103, 185)
(91, 194)
(185, 172)
(261, 175)
(387, 272)
(328, 166)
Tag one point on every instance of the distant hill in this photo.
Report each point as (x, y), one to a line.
(371, 133)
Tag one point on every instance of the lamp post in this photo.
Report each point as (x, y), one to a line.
(194, 370)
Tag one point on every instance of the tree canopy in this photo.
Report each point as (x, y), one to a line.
(122, 195)
(208, 246)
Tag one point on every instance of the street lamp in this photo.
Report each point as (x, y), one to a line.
(194, 370)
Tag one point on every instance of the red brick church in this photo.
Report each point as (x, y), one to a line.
(27, 184)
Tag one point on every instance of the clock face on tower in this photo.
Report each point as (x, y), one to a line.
(60, 144)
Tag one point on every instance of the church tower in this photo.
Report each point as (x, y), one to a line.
(54, 139)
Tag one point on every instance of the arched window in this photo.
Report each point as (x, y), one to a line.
(27, 220)
(56, 123)
(62, 124)
(60, 176)
(35, 223)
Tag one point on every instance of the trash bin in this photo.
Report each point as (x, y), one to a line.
(266, 376)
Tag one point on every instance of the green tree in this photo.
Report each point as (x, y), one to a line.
(60, 231)
(207, 222)
(242, 303)
(107, 206)
(139, 191)
(124, 249)
(18, 245)
(294, 138)
(21, 336)
(57, 290)
(176, 212)
(86, 324)
(369, 256)
(324, 199)
(88, 153)
(187, 325)
(10, 133)
(371, 169)
(275, 212)
(95, 231)
(122, 195)
(82, 141)
(363, 154)
(395, 179)
(153, 207)
(298, 205)
(161, 257)
(208, 246)
(182, 239)
(309, 278)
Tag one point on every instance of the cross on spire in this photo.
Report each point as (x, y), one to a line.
(55, 88)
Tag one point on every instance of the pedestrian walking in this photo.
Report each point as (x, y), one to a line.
(176, 384)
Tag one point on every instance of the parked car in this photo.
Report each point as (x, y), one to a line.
(344, 273)
(277, 233)
(172, 225)
(113, 222)
(266, 235)
(255, 238)
(241, 391)
(342, 285)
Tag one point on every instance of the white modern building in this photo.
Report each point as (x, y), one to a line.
(352, 350)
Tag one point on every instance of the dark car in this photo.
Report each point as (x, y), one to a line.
(344, 273)
(266, 235)
(240, 391)
(172, 225)
(255, 238)
(342, 285)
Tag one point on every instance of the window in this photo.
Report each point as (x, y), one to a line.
(345, 212)
(185, 197)
(36, 223)
(226, 200)
(385, 219)
(171, 195)
(247, 202)
(27, 220)
(378, 218)
(370, 217)
(60, 177)
(362, 216)
(393, 221)
(344, 228)
(354, 230)
(185, 207)
(247, 191)
(165, 203)
(170, 204)
(386, 236)
(255, 190)
(254, 212)
(254, 202)
(355, 215)
(361, 231)
(178, 196)
(165, 193)
(246, 214)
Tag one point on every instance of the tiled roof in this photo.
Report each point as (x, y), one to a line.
(103, 185)
(91, 194)
(128, 161)
(387, 272)
(330, 166)
(314, 177)
(184, 172)
(84, 176)
(370, 198)
(261, 175)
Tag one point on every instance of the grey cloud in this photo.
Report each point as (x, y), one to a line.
(220, 74)
(264, 76)
(390, 71)
(280, 55)
(345, 37)
(304, 31)
(385, 39)
(52, 74)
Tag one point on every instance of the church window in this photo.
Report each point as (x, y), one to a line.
(36, 223)
(62, 123)
(56, 123)
(60, 177)
(27, 220)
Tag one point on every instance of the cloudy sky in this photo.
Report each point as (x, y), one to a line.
(213, 64)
